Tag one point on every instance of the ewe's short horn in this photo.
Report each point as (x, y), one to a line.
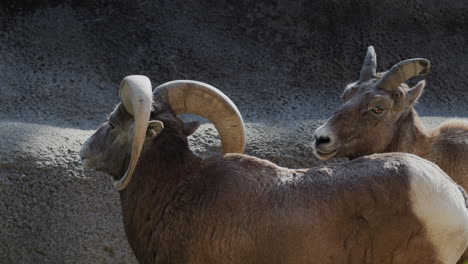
(369, 66)
(191, 97)
(403, 71)
(135, 92)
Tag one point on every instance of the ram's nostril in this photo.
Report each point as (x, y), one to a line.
(322, 140)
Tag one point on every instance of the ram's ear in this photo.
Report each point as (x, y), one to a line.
(154, 128)
(191, 127)
(416, 91)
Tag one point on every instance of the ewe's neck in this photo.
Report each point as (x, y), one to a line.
(410, 135)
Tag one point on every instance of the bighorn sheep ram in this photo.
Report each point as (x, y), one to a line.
(234, 208)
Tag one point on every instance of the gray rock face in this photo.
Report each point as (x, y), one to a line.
(283, 64)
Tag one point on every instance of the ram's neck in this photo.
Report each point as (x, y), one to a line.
(410, 135)
(151, 204)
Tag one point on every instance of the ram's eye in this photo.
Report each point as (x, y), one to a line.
(377, 110)
(111, 125)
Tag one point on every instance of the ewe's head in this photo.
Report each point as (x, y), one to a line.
(143, 118)
(366, 121)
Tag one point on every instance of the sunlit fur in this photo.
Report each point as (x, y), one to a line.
(234, 208)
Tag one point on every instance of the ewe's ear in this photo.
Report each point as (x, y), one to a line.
(349, 91)
(414, 93)
(191, 127)
(154, 128)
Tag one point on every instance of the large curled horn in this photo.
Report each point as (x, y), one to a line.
(192, 97)
(369, 66)
(135, 92)
(403, 71)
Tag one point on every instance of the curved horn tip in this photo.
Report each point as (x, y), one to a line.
(426, 64)
(119, 185)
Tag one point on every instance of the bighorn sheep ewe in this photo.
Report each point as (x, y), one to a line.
(378, 116)
(234, 208)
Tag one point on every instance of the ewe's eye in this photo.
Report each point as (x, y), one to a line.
(111, 126)
(377, 110)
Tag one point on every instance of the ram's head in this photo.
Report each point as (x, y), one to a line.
(143, 117)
